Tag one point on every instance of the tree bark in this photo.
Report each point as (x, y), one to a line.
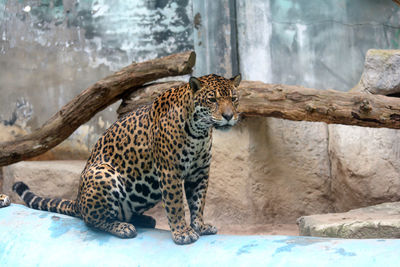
(92, 100)
(297, 103)
(329, 106)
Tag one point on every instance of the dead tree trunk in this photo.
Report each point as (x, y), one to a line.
(92, 100)
(297, 103)
(306, 104)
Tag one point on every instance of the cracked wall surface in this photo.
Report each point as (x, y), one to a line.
(51, 50)
(317, 44)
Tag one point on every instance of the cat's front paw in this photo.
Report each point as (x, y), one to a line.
(204, 228)
(185, 236)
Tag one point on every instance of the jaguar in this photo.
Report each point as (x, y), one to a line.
(158, 152)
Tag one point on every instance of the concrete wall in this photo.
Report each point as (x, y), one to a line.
(50, 50)
(283, 169)
(318, 44)
(215, 39)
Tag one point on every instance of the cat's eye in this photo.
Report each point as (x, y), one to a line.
(213, 99)
(234, 98)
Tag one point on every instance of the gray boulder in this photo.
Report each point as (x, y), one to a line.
(381, 73)
(365, 166)
(379, 221)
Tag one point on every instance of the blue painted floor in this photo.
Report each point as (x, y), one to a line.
(36, 238)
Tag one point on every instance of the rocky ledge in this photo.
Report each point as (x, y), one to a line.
(379, 221)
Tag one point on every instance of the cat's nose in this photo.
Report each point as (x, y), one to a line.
(228, 116)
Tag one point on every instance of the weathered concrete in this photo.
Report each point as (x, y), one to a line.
(317, 44)
(67, 45)
(214, 37)
(380, 221)
(381, 73)
(36, 238)
(52, 50)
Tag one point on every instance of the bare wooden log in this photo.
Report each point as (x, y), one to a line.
(299, 104)
(92, 100)
(329, 106)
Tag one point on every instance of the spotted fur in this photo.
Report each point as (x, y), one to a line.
(158, 152)
(4, 201)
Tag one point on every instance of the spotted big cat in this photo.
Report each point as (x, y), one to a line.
(159, 152)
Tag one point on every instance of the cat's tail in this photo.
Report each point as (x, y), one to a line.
(63, 206)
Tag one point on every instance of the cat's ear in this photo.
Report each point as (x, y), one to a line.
(194, 84)
(236, 80)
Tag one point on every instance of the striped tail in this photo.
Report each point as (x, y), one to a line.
(63, 206)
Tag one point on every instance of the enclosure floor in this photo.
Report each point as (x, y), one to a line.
(227, 228)
(256, 229)
(262, 229)
(38, 238)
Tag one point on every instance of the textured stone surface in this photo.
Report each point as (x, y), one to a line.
(379, 221)
(365, 166)
(365, 163)
(45, 178)
(264, 172)
(289, 169)
(229, 197)
(381, 73)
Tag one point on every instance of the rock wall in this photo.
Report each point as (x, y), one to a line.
(263, 173)
(274, 171)
(365, 166)
(381, 73)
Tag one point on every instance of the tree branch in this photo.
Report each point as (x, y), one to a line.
(298, 103)
(329, 106)
(92, 100)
